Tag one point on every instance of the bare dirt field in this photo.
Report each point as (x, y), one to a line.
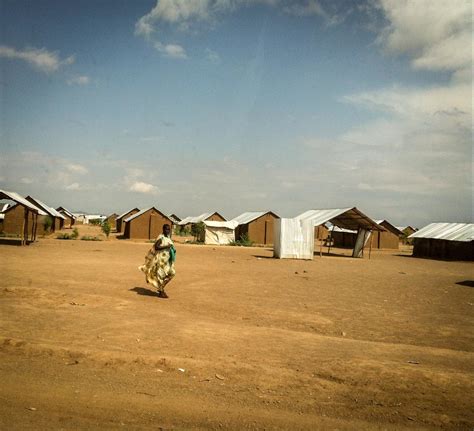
(244, 342)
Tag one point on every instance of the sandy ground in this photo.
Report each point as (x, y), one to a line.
(244, 341)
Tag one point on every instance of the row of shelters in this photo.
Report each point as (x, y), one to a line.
(26, 218)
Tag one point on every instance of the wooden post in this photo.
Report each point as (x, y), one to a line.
(332, 239)
(24, 227)
(370, 247)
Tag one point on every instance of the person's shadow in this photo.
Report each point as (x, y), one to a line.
(144, 291)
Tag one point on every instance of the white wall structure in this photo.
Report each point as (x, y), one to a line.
(293, 239)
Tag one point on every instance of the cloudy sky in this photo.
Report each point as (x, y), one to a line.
(240, 105)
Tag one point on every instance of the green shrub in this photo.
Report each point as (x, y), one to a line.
(244, 241)
(47, 223)
(75, 233)
(106, 228)
(197, 230)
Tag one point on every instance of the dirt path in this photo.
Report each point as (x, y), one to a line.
(335, 343)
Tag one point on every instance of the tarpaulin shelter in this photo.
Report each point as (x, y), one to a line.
(24, 216)
(219, 232)
(300, 238)
(454, 241)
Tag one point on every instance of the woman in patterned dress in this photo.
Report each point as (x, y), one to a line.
(159, 262)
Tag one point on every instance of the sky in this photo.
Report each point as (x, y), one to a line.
(195, 106)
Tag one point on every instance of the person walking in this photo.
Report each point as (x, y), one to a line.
(159, 262)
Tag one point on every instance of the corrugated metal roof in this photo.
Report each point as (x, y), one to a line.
(226, 224)
(139, 213)
(13, 196)
(126, 212)
(392, 228)
(47, 208)
(68, 213)
(198, 219)
(249, 216)
(4, 208)
(463, 232)
(345, 218)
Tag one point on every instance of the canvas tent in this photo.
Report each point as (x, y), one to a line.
(445, 241)
(298, 235)
(219, 232)
(258, 226)
(22, 218)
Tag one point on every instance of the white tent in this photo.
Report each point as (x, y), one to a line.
(293, 239)
(219, 232)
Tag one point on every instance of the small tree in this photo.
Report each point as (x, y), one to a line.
(75, 233)
(106, 228)
(197, 230)
(48, 223)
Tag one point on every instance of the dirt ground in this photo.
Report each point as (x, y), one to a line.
(244, 342)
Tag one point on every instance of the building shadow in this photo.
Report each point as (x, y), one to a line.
(144, 291)
(13, 241)
(467, 283)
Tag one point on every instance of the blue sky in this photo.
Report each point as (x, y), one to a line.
(240, 105)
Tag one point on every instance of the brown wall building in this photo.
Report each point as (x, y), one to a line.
(69, 219)
(390, 238)
(14, 219)
(119, 225)
(258, 226)
(145, 224)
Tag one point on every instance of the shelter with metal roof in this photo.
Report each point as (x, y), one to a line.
(295, 242)
(210, 216)
(258, 226)
(57, 218)
(453, 241)
(145, 224)
(69, 217)
(119, 225)
(21, 218)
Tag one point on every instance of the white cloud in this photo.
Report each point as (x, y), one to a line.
(41, 59)
(76, 168)
(73, 186)
(185, 15)
(171, 50)
(436, 34)
(79, 80)
(141, 187)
